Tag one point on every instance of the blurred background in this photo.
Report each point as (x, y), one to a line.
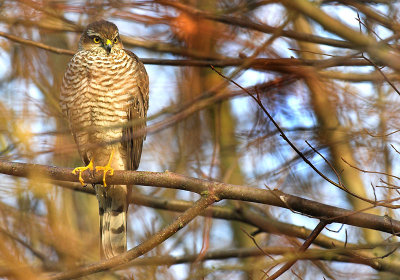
(335, 91)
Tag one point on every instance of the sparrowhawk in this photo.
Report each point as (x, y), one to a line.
(104, 96)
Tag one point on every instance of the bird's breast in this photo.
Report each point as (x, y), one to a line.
(110, 91)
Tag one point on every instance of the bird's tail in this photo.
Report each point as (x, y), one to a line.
(113, 207)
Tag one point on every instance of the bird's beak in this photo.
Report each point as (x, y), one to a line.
(108, 46)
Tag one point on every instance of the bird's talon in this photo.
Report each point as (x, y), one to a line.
(106, 168)
(82, 169)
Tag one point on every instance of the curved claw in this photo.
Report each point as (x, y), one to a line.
(106, 168)
(82, 169)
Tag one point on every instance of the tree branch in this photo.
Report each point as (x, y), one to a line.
(377, 50)
(261, 27)
(221, 190)
(35, 44)
(339, 254)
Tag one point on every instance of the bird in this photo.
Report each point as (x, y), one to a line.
(104, 97)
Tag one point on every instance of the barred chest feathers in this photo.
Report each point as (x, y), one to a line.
(103, 97)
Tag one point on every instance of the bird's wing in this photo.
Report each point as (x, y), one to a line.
(134, 133)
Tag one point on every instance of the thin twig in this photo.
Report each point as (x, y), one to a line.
(329, 164)
(371, 172)
(283, 135)
(321, 225)
(258, 246)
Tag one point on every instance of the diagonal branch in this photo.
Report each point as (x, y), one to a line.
(314, 234)
(347, 252)
(377, 50)
(146, 246)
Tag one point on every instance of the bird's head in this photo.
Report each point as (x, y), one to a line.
(100, 36)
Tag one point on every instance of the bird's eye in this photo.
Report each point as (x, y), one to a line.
(96, 40)
(115, 40)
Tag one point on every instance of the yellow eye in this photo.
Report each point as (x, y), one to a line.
(96, 40)
(115, 40)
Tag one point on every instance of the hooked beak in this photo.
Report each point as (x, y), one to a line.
(108, 46)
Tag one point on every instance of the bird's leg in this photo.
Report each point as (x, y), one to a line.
(106, 168)
(83, 168)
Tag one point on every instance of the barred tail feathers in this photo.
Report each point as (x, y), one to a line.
(113, 208)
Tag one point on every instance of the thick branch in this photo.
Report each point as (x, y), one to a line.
(221, 190)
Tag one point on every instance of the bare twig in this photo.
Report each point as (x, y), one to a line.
(35, 44)
(371, 172)
(283, 135)
(321, 225)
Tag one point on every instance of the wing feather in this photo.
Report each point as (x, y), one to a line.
(134, 133)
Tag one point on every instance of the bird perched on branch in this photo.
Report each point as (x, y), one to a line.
(104, 96)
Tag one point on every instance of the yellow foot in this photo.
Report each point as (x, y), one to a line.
(106, 169)
(81, 169)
